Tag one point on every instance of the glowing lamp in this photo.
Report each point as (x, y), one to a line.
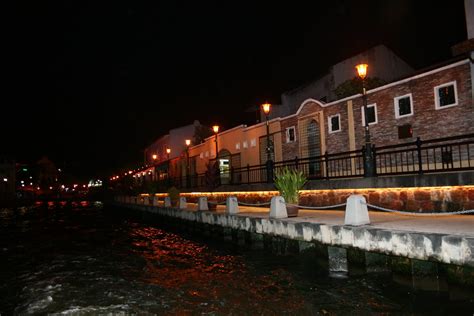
(168, 151)
(188, 142)
(362, 70)
(154, 157)
(215, 128)
(266, 108)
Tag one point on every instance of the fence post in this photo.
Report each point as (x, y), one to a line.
(326, 164)
(231, 175)
(269, 166)
(363, 160)
(248, 174)
(374, 156)
(418, 150)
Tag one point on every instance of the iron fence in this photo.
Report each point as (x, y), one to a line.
(418, 157)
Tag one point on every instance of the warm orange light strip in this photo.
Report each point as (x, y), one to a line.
(319, 191)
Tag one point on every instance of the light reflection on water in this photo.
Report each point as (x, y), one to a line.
(75, 258)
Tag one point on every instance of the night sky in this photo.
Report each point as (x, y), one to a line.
(91, 84)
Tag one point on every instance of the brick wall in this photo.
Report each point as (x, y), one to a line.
(426, 122)
(289, 150)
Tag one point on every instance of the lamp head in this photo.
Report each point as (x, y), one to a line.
(215, 128)
(168, 151)
(362, 70)
(188, 142)
(266, 108)
(154, 157)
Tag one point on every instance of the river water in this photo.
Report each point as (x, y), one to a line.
(86, 259)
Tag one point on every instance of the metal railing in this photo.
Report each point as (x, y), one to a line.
(418, 157)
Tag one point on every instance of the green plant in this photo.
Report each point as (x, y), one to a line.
(354, 86)
(173, 193)
(289, 182)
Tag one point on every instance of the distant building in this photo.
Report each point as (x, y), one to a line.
(174, 140)
(384, 64)
(156, 158)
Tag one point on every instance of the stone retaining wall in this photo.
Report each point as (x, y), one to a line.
(426, 199)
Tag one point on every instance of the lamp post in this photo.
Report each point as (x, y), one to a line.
(369, 170)
(188, 169)
(168, 151)
(269, 164)
(215, 129)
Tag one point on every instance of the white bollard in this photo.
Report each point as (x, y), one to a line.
(202, 204)
(356, 211)
(278, 207)
(155, 201)
(182, 203)
(167, 201)
(231, 205)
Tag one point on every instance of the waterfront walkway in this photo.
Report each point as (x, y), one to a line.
(461, 225)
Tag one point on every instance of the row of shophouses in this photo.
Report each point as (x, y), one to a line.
(421, 123)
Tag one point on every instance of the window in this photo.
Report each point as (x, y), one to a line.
(290, 134)
(207, 154)
(371, 113)
(201, 155)
(253, 142)
(403, 106)
(237, 146)
(245, 144)
(446, 95)
(334, 123)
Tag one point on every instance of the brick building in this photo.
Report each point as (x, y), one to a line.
(431, 104)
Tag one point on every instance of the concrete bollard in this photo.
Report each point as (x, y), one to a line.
(182, 203)
(202, 204)
(167, 201)
(155, 201)
(231, 205)
(356, 211)
(278, 207)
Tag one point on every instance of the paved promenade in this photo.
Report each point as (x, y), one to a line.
(451, 225)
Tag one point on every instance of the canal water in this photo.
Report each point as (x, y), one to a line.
(87, 259)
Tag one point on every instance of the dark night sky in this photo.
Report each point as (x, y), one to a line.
(91, 84)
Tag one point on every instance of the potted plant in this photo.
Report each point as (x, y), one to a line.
(173, 193)
(289, 182)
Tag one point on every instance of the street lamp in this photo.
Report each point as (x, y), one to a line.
(188, 142)
(369, 170)
(266, 110)
(154, 156)
(215, 128)
(168, 151)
